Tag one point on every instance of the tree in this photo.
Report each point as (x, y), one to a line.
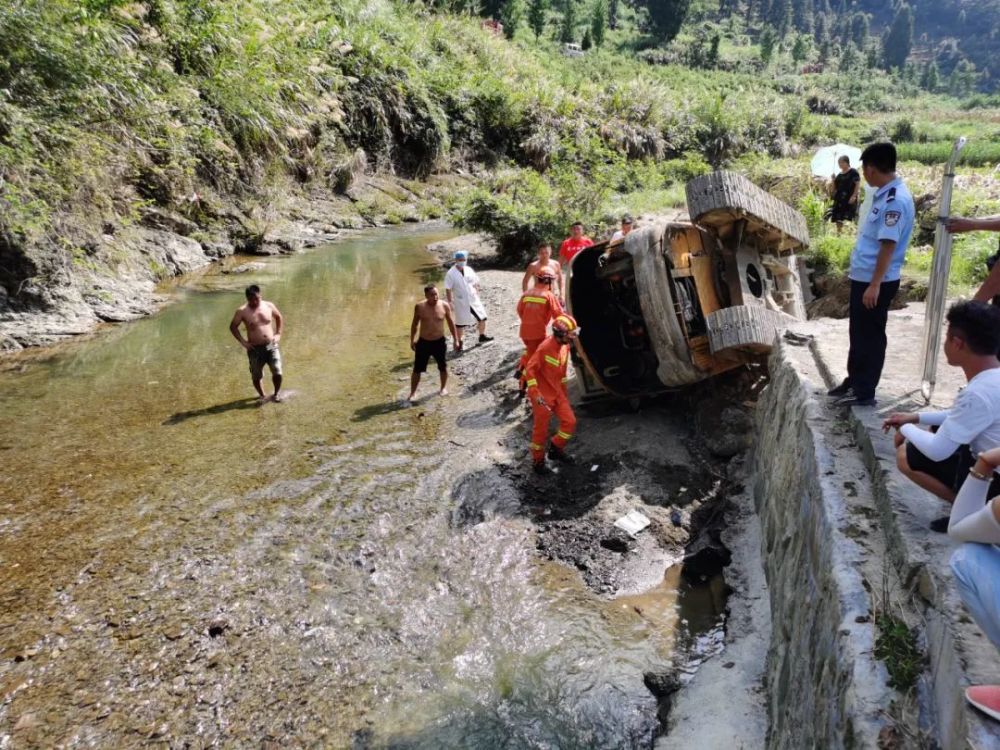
(780, 16)
(899, 39)
(768, 41)
(667, 16)
(821, 33)
(536, 16)
(586, 43)
(567, 32)
(802, 14)
(511, 15)
(800, 50)
(598, 22)
(860, 29)
(872, 55)
(931, 78)
(713, 51)
(963, 78)
(848, 58)
(825, 48)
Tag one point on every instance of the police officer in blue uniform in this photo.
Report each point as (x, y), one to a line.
(883, 236)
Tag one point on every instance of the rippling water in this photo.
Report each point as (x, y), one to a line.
(177, 564)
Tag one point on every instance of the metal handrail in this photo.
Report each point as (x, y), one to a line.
(937, 289)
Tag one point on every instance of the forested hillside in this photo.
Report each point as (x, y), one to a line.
(116, 114)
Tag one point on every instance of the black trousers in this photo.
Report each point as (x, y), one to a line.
(867, 333)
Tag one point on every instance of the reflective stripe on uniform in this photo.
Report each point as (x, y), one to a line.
(565, 380)
(563, 435)
(537, 300)
(535, 447)
(532, 382)
(552, 361)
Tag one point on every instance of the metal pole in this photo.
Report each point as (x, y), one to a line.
(937, 288)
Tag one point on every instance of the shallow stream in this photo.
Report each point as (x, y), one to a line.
(178, 564)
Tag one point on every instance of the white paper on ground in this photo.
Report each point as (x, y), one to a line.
(632, 522)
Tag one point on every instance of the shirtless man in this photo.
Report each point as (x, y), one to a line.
(430, 316)
(264, 323)
(544, 265)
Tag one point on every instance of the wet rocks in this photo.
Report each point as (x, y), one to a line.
(726, 430)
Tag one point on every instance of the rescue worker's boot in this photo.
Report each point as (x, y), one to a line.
(557, 454)
(540, 468)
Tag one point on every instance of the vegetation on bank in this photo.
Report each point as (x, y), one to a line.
(109, 108)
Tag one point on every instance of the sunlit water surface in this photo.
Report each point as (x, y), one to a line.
(179, 564)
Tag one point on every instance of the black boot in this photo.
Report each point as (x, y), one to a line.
(540, 468)
(555, 454)
(840, 390)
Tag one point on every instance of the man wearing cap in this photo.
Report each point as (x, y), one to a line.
(573, 244)
(546, 381)
(619, 236)
(537, 307)
(461, 286)
(876, 262)
(544, 264)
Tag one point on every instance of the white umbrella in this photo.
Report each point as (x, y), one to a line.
(824, 163)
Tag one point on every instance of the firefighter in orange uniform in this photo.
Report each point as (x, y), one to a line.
(546, 380)
(536, 308)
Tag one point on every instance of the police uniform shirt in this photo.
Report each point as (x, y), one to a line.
(890, 218)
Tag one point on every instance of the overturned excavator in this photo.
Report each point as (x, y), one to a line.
(678, 302)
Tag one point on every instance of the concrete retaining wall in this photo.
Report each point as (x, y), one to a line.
(825, 687)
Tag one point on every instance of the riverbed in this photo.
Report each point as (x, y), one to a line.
(181, 565)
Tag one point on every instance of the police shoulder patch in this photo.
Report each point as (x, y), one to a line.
(892, 218)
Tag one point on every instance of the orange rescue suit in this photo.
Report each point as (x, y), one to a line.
(546, 379)
(536, 308)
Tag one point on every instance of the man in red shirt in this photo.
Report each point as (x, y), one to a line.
(573, 244)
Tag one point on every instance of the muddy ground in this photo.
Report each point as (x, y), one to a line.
(669, 460)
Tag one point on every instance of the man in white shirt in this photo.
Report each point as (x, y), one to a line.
(939, 461)
(627, 224)
(461, 285)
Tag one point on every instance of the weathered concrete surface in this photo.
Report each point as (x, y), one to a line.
(958, 653)
(724, 705)
(824, 686)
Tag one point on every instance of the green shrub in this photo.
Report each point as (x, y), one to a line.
(813, 207)
(831, 253)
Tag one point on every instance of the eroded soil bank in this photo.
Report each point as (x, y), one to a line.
(182, 567)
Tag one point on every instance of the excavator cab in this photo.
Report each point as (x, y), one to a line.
(678, 302)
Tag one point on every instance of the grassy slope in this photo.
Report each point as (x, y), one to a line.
(107, 108)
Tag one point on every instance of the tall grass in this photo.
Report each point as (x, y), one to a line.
(107, 106)
(977, 153)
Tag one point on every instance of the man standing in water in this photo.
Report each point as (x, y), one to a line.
(263, 322)
(430, 316)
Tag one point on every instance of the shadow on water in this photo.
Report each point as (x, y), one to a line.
(429, 273)
(241, 403)
(377, 410)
